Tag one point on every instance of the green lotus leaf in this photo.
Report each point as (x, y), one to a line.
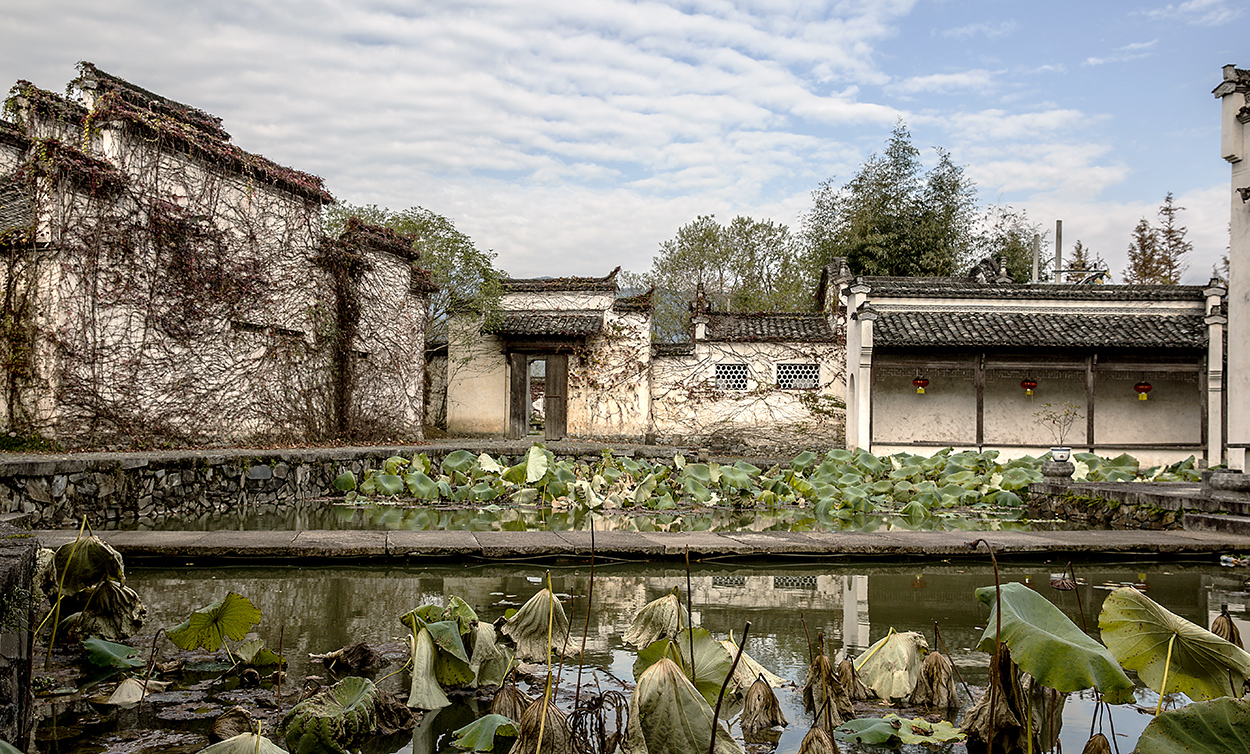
(424, 693)
(489, 660)
(460, 461)
(804, 461)
(488, 464)
(388, 485)
(891, 666)
(735, 478)
(893, 730)
(107, 654)
(421, 486)
(85, 562)
(345, 482)
(231, 616)
(333, 719)
(660, 619)
(244, 743)
(256, 654)
(480, 734)
(1138, 631)
(536, 465)
(394, 465)
(7, 748)
(667, 715)
(1047, 645)
(1217, 725)
(708, 670)
(1019, 478)
(528, 627)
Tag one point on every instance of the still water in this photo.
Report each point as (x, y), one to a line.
(320, 609)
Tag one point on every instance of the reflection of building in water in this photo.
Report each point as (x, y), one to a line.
(1232, 591)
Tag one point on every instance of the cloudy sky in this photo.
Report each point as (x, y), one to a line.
(574, 135)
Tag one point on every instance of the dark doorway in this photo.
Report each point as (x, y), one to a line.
(532, 378)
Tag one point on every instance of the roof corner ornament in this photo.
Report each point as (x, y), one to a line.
(1245, 193)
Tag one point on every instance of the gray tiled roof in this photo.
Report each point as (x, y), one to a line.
(1038, 330)
(549, 323)
(767, 327)
(965, 288)
(517, 285)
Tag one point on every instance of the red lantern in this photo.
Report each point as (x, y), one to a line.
(1029, 385)
(1142, 388)
(920, 383)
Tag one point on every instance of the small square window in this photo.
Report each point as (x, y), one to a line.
(798, 376)
(731, 376)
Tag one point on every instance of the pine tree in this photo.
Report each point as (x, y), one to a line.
(1084, 263)
(1172, 244)
(1143, 256)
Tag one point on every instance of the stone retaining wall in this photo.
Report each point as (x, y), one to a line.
(17, 615)
(1118, 505)
(129, 489)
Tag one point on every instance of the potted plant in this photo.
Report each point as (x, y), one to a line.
(1059, 419)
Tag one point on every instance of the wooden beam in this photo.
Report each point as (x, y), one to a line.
(1090, 362)
(979, 378)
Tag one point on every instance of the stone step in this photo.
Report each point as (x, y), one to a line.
(1213, 522)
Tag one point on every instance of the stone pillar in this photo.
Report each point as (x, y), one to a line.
(1234, 93)
(863, 429)
(1215, 320)
(17, 615)
(858, 396)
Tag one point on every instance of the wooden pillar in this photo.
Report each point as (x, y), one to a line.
(555, 404)
(978, 371)
(1090, 362)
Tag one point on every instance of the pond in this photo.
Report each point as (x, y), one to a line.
(316, 610)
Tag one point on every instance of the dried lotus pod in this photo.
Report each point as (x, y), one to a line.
(761, 711)
(1097, 745)
(557, 736)
(1224, 627)
(936, 685)
(855, 688)
(818, 742)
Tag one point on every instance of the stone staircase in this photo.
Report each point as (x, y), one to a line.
(1230, 492)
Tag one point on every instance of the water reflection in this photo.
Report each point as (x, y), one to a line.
(327, 514)
(323, 608)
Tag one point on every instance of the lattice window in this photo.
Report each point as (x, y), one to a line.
(798, 376)
(731, 376)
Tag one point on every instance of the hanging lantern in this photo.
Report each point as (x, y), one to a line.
(1029, 386)
(920, 383)
(1142, 388)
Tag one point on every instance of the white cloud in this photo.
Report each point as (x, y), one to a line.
(977, 79)
(1197, 12)
(1129, 52)
(986, 29)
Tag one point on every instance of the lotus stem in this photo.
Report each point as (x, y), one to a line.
(60, 590)
(151, 663)
(690, 609)
(938, 639)
(711, 748)
(810, 657)
(281, 636)
(876, 649)
(1079, 606)
(551, 613)
(581, 659)
(1167, 665)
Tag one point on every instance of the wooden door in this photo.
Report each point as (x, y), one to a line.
(518, 395)
(555, 404)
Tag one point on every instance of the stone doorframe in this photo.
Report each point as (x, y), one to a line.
(555, 398)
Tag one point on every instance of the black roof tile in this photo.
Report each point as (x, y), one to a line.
(738, 327)
(946, 287)
(549, 323)
(1032, 329)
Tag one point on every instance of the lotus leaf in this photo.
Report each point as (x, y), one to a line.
(111, 611)
(760, 711)
(543, 719)
(255, 653)
(458, 462)
(890, 666)
(1141, 634)
(667, 715)
(421, 486)
(749, 670)
(708, 670)
(480, 734)
(1047, 645)
(85, 562)
(244, 743)
(332, 719)
(388, 485)
(661, 618)
(231, 616)
(394, 464)
(536, 465)
(824, 695)
(489, 661)
(424, 693)
(893, 730)
(132, 691)
(1217, 725)
(936, 685)
(817, 741)
(528, 627)
(488, 464)
(345, 482)
(106, 654)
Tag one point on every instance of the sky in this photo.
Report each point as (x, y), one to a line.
(572, 136)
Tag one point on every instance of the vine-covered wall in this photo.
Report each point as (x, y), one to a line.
(167, 287)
